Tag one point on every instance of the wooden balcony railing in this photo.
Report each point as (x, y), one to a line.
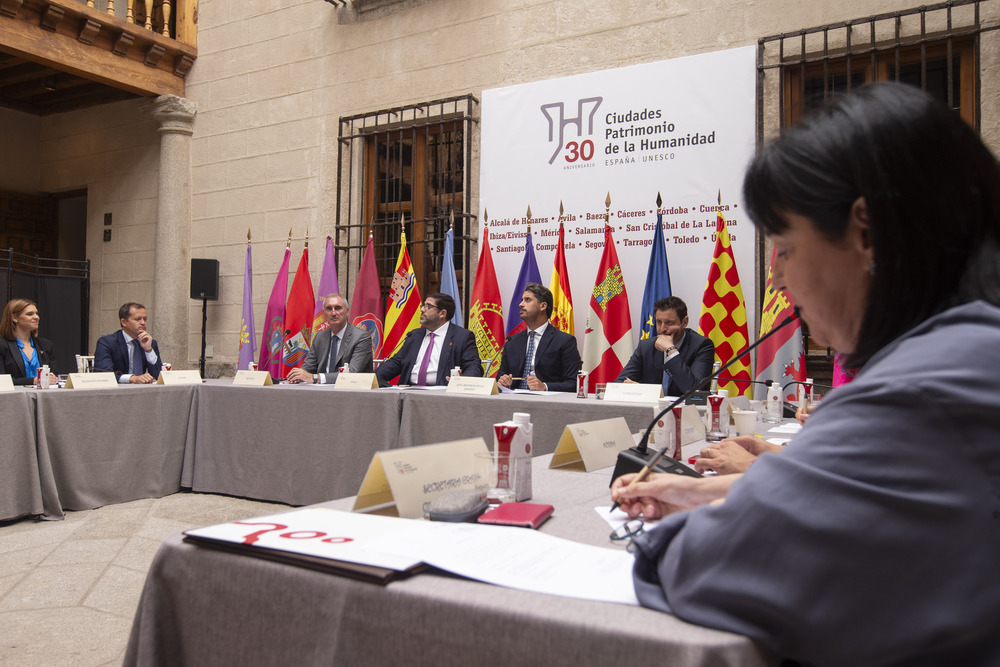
(143, 47)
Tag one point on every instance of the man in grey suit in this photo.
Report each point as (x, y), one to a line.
(341, 344)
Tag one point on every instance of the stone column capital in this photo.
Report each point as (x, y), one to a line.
(175, 114)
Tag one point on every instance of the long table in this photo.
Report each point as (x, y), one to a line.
(81, 449)
(205, 606)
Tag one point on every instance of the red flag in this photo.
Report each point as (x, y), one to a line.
(274, 322)
(607, 340)
(486, 311)
(298, 317)
(780, 357)
(724, 314)
(366, 304)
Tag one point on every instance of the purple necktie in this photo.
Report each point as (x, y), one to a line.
(422, 373)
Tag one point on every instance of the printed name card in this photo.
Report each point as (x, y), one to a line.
(6, 383)
(253, 379)
(628, 392)
(412, 476)
(472, 386)
(692, 425)
(175, 378)
(596, 443)
(91, 381)
(362, 381)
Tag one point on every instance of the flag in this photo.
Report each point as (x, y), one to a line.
(449, 282)
(366, 304)
(486, 311)
(527, 274)
(562, 298)
(248, 332)
(274, 323)
(327, 285)
(781, 357)
(403, 312)
(657, 281)
(298, 317)
(607, 340)
(724, 314)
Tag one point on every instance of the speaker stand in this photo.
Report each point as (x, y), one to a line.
(204, 324)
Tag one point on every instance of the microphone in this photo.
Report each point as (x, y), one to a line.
(628, 459)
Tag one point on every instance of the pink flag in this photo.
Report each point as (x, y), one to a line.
(274, 322)
(327, 285)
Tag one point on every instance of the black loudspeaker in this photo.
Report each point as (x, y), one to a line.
(205, 279)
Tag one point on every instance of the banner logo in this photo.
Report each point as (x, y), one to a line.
(555, 113)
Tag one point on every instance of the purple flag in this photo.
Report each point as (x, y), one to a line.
(248, 332)
(527, 274)
(328, 284)
(274, 322)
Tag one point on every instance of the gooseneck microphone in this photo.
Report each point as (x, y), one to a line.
(642, 448)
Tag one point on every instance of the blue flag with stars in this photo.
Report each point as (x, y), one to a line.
(657, 281)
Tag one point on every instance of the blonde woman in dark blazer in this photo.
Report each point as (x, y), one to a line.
(22, 353)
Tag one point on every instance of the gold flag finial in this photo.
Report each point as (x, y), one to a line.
(288, 243)
(561, 213)
(248, 235)
(451, 218)
(659, 201)
(486, 217)
(607, 209)
(529, 212)
(720, 196)
(307, 239)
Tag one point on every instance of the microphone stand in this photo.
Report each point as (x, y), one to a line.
(628, 458)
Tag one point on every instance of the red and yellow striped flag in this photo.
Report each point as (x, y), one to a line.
(562, 298)
(403, 313)
(724, 314)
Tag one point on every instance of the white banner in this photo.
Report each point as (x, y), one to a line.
(683, 128)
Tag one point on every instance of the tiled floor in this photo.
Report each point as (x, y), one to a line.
(69, 589)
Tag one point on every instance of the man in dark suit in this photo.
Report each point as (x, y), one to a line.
(678, 358)
(541, 357)
(353, 347)
(131, 353)
(430, 352)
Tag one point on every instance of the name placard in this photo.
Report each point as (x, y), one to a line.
(596, 443)
(362, 381)
(692, 425)
(253, 379)
(91, 381)
(175, 378)
(412, 476)
(6, 383)
(629, 392)
(472, 386)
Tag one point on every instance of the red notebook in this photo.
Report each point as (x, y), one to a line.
(528, 515)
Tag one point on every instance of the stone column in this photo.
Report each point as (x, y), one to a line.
(168, 316)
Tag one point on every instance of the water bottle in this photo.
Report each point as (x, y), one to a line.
(774, 403)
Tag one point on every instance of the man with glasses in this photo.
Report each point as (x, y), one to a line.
(339, 345)
(430, 352)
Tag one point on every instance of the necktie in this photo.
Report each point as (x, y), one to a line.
(528, 356)
(422, 373)
(666, 382)
(331, 360)
(137, 354)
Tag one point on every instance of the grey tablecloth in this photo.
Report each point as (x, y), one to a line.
(291, 444)
(201, 606)
(111, 445)
(20, 483)
(430, 417)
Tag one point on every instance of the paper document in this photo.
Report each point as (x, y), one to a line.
(506, 556)
(523, 559)
(788, 428)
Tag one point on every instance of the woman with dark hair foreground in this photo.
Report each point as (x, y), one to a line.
(874, 538)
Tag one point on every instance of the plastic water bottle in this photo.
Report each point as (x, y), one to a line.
(774, 403)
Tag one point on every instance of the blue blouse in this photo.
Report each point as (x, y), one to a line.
(30, 366)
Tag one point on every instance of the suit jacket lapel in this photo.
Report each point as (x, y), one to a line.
(15, 354)
(345, 344)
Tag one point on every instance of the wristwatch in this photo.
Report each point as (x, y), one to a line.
(315, 379)
(670, 349)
